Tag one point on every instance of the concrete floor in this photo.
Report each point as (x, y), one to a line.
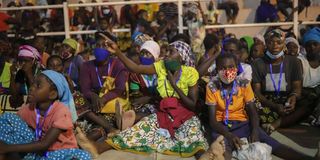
(119, 155)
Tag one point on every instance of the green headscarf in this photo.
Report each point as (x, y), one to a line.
(249, 40)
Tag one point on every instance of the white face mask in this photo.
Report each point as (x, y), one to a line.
(274, 56)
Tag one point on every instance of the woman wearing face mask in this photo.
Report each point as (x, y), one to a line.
(29, 60)
(233, 114)
(144, 95)
(177, 85)
(276, 81)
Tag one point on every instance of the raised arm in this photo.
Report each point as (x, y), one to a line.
(203, 68)
(141, 69)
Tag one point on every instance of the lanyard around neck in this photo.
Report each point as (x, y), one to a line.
(153, 80)
(70, 68)
(228, 99)
(98, 76)
(165, 84)
(277, 90)
(38, 125)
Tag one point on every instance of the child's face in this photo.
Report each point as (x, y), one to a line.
(227, 63)
(41, 90)
(230, 48)
(56, 65)
(257, 51)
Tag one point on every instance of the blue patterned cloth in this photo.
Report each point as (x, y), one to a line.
(13, 130)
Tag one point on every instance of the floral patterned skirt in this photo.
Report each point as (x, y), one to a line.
(145, 137)
(267, 115)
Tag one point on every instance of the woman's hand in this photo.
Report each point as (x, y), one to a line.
(291, 104)
(235, 140)
(280, 109)
(141, 101)
(171, 79)
(97, 103)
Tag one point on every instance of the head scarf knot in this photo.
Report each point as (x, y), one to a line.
(185, 52)
(64, 92)
(29, 51)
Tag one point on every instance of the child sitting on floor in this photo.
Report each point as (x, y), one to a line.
(233, 114)
(48, 115)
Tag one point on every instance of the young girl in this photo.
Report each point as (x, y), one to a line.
(233, 114)
(50, 135)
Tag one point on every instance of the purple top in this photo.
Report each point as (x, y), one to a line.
(89, 81)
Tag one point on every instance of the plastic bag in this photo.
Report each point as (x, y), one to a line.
(252, 151)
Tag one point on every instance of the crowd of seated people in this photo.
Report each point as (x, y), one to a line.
(198, 93)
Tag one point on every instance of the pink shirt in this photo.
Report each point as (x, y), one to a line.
(58, 117)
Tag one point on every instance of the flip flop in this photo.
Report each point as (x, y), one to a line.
(128, 119)
(118, 115)
(85, 143)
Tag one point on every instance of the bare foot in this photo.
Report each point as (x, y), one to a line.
(128, 119)
(85, 143)
(216, 150)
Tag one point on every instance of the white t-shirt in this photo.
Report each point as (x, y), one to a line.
(311, 76)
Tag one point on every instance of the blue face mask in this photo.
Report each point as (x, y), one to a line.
(101, 54)
(146, 61)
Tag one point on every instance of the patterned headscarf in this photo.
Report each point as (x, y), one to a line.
(185, 52)
(29, 51)
(276, 33)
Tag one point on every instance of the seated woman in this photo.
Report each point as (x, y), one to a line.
(72, 62)
(103, 80)
(310, 96)
(29, 60)
(180, 134)
(48, 115)
(276, 81)
(144, 95)
(233, 114)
